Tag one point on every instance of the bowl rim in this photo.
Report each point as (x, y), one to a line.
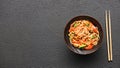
(73, 46)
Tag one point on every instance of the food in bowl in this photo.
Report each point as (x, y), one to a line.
(83, 34)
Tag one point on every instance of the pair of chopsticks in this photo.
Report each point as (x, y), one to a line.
(108, 34)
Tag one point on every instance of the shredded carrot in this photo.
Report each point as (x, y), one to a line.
(89, 47)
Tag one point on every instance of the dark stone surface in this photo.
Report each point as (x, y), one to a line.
(31, 33)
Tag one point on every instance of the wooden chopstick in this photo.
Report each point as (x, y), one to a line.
(108, 48)
(108, 35)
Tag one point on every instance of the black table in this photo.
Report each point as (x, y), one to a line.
(31, 33)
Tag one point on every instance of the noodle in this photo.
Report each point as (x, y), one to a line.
(83, 34)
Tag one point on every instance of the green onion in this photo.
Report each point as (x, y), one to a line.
(92, 37)
(83, 45)
(87, 25)
(76, 24)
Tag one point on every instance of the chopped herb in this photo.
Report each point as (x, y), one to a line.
(93, 36)
(76, 24)
(83, 45)
(87, 25)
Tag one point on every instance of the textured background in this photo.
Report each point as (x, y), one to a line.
(31, 33)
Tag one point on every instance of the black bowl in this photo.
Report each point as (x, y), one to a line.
(77, 50)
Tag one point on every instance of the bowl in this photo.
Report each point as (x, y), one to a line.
(77, 50)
